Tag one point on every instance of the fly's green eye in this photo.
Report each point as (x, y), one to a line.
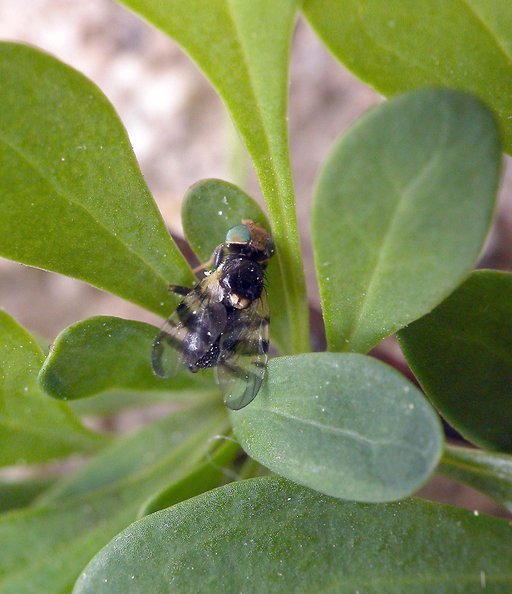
(238, 234)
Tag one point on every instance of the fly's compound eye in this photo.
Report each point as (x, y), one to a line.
(239, 234)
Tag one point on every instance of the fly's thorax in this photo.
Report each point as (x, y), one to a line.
(242, 280)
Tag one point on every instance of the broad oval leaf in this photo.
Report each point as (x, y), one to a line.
(44, 548)
(105, 353)
(33, 427)
(73, 199)
(269, 535)
(399, 45)
(401, 211)
(487, 472)
(242, 47)
(210, 208)
(346, 425)
(462, 355)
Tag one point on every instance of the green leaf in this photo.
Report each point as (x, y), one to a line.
(20, 493)
(33, 428)
(106, 353)
(243, 47)
(73, 198)
(203, 477)
(346, 425)
(269, 535)
(462, 355)
(401, 211)
(210, 208)
(485, 471)
(45, 548)
(397, 45)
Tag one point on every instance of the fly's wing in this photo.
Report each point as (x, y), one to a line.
(189, 333)
(243, 354)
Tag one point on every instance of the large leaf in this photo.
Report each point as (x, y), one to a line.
(488, 472)
(44, 549)
(33, 427)
(401, 211)
(242, 47)
(106, 353)
(268, 535)
(399, 45)
(462, 355)
(73, 199)
(210, 208)
(345, 425)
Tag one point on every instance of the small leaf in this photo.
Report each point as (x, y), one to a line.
(33, 428)
(106, 353)
(462, 355)
(401, 211)
(346, 425)
(73, 198)
(396, 46)
(243, 48)
(269, 535)
(45, 548)
(210, 208)
(485, 471)
(203, 477)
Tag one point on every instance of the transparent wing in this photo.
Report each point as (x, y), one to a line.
(243, 354)
(189, 334)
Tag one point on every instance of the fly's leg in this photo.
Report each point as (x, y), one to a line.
(179, 290)
(202, 267)
(213, 262)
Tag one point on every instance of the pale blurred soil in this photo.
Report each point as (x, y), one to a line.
(180, 134)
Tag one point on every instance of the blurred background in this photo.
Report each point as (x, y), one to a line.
(181, 133)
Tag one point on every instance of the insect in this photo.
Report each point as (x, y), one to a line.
(223, 321)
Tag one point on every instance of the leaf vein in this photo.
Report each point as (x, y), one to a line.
(349, 433)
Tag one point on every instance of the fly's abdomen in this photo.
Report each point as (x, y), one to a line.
(207, 360)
